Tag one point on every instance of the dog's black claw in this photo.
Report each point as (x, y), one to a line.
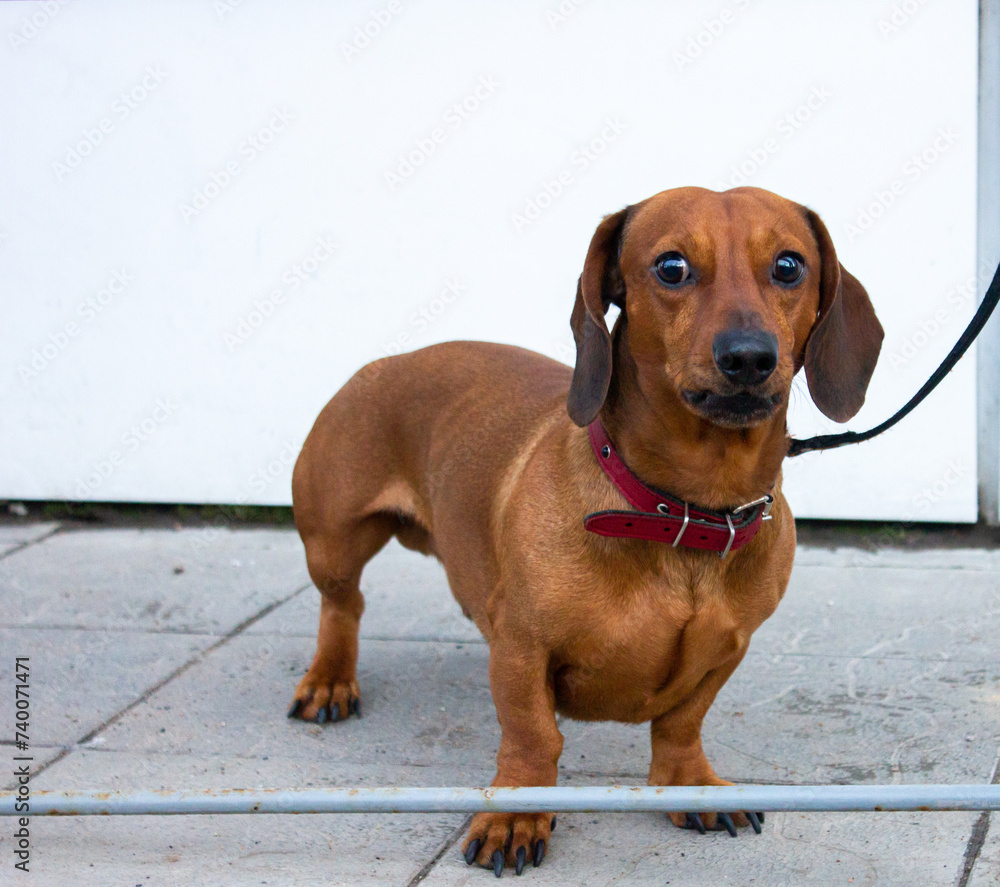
(694, 821)
(498, 863)
(754, 821)
(321, 716)
(294, 710)
(471, 851)
(539, 854)
(727, 821)
(552, 827)
(760, 816)
(521, 854)
(335, 712)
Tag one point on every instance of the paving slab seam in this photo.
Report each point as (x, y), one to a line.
(951, 660)
(120, 629)
(952, 568)
(479, 642)
(446, 845)
(177, 672)
(979, 832)
(640, 778)
(236, 756)
(420, 639)
(30, 542)
(50, 626)
(378, 638)
(974, 848)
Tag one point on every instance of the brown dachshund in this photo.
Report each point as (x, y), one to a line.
(480, 455)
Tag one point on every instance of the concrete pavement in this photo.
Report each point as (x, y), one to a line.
(166, 658)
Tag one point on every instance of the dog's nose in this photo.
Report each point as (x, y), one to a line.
(746, 357)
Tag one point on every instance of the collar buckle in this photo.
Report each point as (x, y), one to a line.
(732, 536)
(687, 518)
(650, 507)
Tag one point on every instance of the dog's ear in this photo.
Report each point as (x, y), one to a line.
(599, 285)
(846, 337)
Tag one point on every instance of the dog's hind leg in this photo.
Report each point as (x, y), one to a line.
(329, 690)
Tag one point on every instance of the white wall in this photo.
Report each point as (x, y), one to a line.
(251, 138)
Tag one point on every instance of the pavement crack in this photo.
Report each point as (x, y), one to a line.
(31, 542)
(974, 847)
(745, 753)
(446, 845)
(979, 832)
(177, 672)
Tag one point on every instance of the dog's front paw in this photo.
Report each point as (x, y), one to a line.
(704, 822)
(700, 773)
(322, 700)
(496, 839)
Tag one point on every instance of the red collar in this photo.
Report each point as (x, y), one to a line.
(664, 518)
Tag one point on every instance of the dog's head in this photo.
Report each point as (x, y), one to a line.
(725, 296)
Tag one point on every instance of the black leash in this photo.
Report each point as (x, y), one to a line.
(830, 441)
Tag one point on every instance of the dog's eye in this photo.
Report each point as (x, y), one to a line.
(672, 268)
(788, 269)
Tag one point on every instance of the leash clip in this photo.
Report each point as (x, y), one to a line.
(767, 500)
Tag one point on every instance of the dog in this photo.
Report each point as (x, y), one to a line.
(517, 473)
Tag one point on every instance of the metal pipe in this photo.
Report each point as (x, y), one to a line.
(696, 799)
